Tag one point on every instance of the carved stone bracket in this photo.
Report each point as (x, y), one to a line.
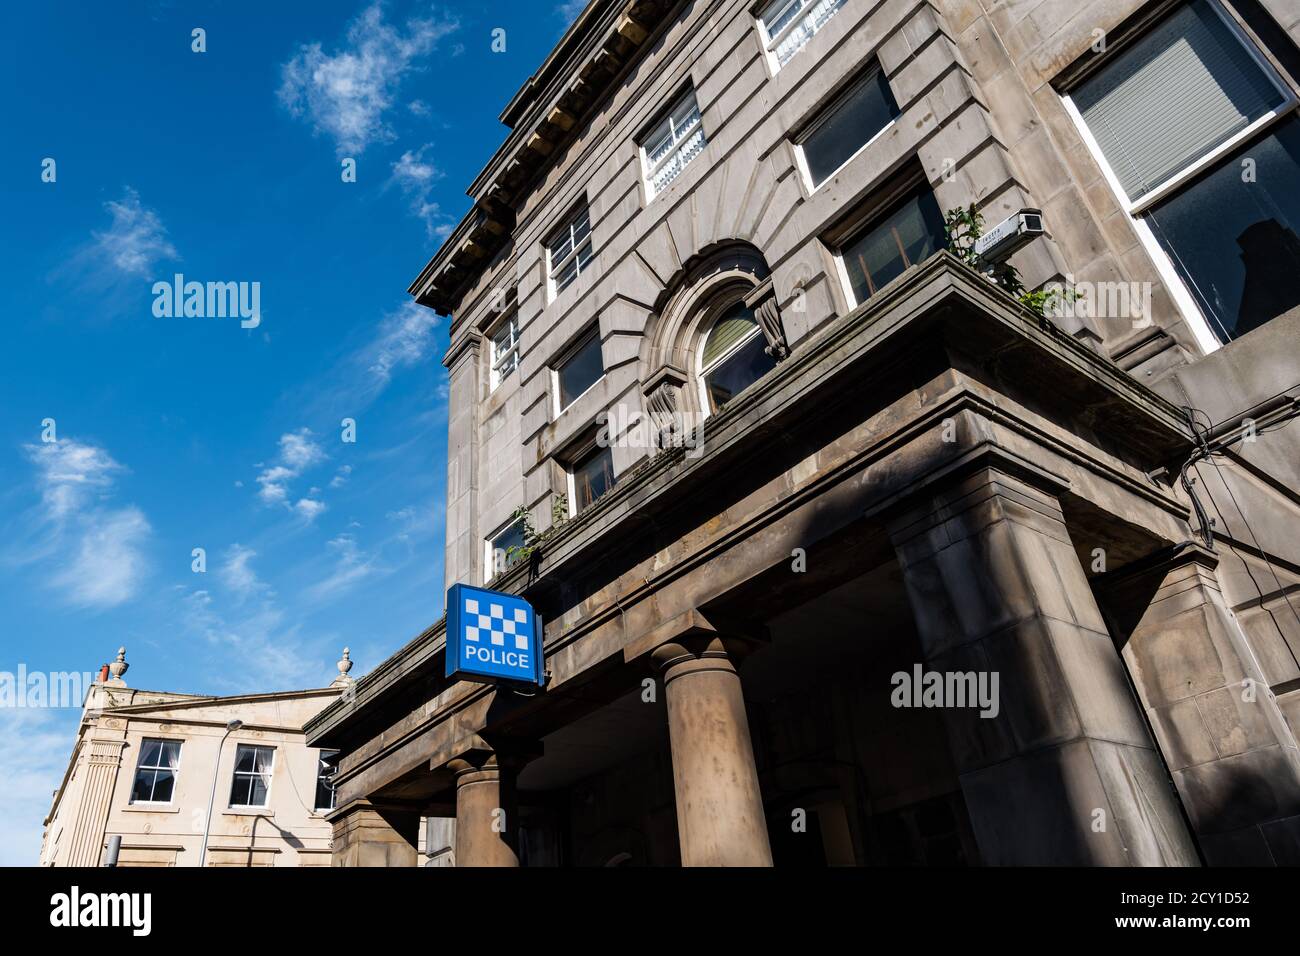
(663, 395)
(763, 301)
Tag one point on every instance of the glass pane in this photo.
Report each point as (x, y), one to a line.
(244, 759)
(239, 790)
(734, 324)
(151, 754)
(257, 790)
(1179, 92)
(780, 15)
(593, 477)
(171, 753)
(1236, 243)
(143, 786)
(581, 371)
(265, 758)
(512, 537)
(909, 235)
(747, 365)
(162, 786)
(812, 21)
(566, 275)
(861, 115)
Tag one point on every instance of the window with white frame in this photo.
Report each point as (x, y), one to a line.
(669, 148)
(251, 786)
(1197, 134)
(787, 25)
(590, 476)
(855, 118)
(734, 355)
(503, 548)
(885, 246)
(155, 774)
(569, 251)
(505, 349)
(326, 767)
(579, 369)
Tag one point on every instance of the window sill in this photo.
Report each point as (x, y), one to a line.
(248, 812)
(151, 808)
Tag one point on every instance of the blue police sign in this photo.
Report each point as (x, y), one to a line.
(492, 636)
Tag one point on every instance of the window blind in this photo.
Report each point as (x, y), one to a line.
(1182, 90)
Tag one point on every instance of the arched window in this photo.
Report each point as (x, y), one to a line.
(733, 356)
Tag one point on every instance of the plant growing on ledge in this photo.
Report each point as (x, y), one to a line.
(962, 227)
(532, 537)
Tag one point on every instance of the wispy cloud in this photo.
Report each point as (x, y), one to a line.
(34, 750)
(568, 10)
(135, 240)
(346, 94)
(98, 549)
(405, 338)
(264, 642)
(237, 575)
(351, 567)
(415, 176)
(298, 452)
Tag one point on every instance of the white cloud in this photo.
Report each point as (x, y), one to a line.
(346, 94)
(416, 176)
(99, 550)
(135, 240)
(34, 750)
(405, 339)
(350, 567)
(109, 563)
(568, 10)
(265, 645)
(237, 574)
(299, 451)
(341, 476)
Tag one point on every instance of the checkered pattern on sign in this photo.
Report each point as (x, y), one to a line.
(496, 625)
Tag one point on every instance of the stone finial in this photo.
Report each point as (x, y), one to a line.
(344, 665)
(118, 668)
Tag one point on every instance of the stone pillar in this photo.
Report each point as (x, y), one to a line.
(1232, 755)
(99, 762)
(487, 808)
(375, 834)
(720, 819)
(1063, 771)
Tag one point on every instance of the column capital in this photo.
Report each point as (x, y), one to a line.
(695, 633)
(479, 753)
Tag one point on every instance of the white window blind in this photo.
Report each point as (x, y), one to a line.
(1181, 91)
(790, 24)
(673, 144)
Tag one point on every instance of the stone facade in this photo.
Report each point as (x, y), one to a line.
(96, 799)
(934, 477)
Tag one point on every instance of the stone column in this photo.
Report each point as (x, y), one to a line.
(720, 819)
(487, 808)
(1232, 755)
(375, 834)
(1063, 770)
(100, 759)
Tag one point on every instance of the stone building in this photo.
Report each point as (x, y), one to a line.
(845, 555)
(146, 765)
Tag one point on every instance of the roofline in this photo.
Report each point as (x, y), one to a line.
(543, 115)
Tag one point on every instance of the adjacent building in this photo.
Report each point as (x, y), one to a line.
(845, 554)
(147, 764)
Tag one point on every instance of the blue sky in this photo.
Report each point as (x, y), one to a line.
(181, 433)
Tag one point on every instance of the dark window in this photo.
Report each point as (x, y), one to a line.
(908, 235)
(155, 775)
(325, 779)
(252, 782)
(580, 370)
(593, 475)
(734, 355)
(1234, 239)
(863, 112)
